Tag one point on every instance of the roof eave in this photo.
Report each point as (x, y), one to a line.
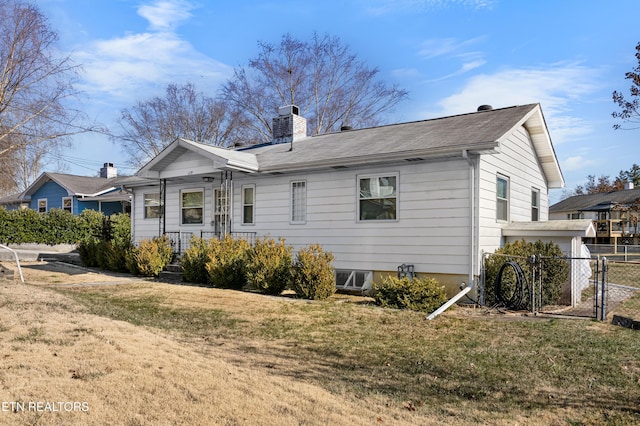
(427, 154)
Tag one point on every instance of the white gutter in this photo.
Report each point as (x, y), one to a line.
(17, 260)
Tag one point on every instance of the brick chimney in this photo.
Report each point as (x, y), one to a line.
(288, 126)
(108, 171)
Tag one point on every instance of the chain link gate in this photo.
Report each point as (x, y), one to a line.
(568, 286)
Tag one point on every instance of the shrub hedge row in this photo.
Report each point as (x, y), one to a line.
(25, 226)
(266, 266)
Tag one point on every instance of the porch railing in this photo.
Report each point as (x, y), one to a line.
(181, 240)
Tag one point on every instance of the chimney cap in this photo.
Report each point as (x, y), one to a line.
(289, 109)
(485, 107)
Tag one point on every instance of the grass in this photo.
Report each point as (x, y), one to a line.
(624, 273)
(474, 368)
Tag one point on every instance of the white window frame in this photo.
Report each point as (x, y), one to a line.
(396, 196)
(535, 205)
(182, 208)
(298, 202)
(501, 199)
(46, 205)
(252, 187)
(145, 205)
(70, 208)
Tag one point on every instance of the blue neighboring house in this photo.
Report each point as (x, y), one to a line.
(75, 193)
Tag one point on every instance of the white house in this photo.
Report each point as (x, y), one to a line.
(432, 194)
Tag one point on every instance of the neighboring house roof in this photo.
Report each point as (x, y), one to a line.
(477, 132)
(597, 202)
(11, 199)
(74, 185)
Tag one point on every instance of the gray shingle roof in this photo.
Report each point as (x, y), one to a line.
(75, 185)
(595, 202)
(478, 130)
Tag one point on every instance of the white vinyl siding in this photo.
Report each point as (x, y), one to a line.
(299, 202)
(432, 232)
(518, 161)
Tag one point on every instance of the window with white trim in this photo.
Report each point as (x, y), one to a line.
(502, 198)
(299, 201)
(248, 204)
(535, 205)
(192, 206)
(152, 205)
(67, 204)
(378, 197)
(42, 205)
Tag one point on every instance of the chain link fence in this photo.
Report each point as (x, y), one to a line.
(557, 285)
(623, 279)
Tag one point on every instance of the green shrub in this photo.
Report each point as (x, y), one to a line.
(555, 275)
(90, 224)
(59, 227)
(88, 250)
(194, 260)
(120, 244)
(226, 262)
(269, 266)
(313, 275)
(151, 256)
(418, 294)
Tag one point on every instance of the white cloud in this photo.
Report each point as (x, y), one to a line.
(446, 47)
(136, 66)
(124, 68)
(384, 7)
(166, 14)
(576, 163)
(556, 88)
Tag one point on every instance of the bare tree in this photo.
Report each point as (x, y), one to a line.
(151, 125)
(34, 86)
(329, 84)
(629, 107)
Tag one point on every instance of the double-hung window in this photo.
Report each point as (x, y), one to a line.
(67, 204)
(535, 205)
(378, 197)
(502, 198)
(298, 202)
(42, 205)
(152, 205)
(192, 206)
(248, 204)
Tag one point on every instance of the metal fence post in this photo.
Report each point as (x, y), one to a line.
(603, 308)
(532, 289)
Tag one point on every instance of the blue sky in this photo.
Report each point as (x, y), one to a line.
(451, 55)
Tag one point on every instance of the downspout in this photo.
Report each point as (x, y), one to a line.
(464, 289)
(472, 215)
